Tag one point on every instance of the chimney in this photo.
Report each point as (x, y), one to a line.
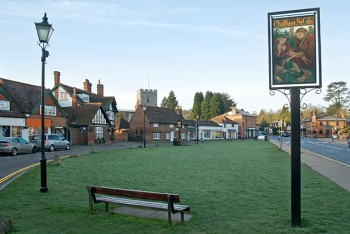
(57, 81)
(74, 105)
(87, 86)
(234, 110)
(99, 89)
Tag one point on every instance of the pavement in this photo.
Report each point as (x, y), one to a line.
(333, 170)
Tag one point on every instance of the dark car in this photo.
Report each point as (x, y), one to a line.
(52, 142)
(285, 134)
(16, 145)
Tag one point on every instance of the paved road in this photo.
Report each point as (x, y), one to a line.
(336, 150)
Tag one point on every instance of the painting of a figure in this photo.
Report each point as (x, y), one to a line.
(293, 52)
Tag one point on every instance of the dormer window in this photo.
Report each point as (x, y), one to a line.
(84, 97)
(4, 105)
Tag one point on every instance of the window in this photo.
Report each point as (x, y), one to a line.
(49, 110)
(167, 135)
(183, 136)
(207, 134)
(156, 136)
(99, 132)
(4, 105)
(155, 125)
(171, 126)
(321, 123)
(337, 123)
(84, 97)
(217, 134)
(63, 96)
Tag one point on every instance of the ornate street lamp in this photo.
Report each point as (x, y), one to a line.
(179, 125)
(144, 108)
(197, 117)
(44, 30)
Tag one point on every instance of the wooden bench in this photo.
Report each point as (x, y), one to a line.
(161, 201)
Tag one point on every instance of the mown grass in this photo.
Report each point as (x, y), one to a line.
(231, 187)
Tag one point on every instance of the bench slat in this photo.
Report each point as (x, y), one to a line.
(130, 202)
(135, 194)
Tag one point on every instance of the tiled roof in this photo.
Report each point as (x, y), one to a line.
(222, 119)
(84, 113)
(208, 123)
(163, 115)
(121, 123)
(25, 96)
(106, 101)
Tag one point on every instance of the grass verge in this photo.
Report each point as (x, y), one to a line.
(231, 187)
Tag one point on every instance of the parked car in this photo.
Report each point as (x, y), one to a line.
(285, 134)
(52, 142)
(262, 135)
(16, 145)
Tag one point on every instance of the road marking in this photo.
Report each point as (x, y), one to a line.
(9, 176)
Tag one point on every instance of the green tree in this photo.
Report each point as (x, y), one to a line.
(335, 109)
(216, 105)
(262, 116)
(197, 102)
(307, 112)
(205, 107)
(164, 102)
(172, 102)
(228, 102)
(263, 124)
(339, 96)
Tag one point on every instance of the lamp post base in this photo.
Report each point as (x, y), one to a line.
(43, 187)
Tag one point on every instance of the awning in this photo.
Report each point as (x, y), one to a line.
(191, 129)
(32, 122)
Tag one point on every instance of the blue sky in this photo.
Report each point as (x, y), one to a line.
(182, 45)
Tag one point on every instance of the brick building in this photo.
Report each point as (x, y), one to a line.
(323, 125)
(91, 117)
(157, 124)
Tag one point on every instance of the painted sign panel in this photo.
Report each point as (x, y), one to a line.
(294, 49)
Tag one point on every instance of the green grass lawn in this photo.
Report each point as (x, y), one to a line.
(231, 187)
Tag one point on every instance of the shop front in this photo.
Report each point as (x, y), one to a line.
(12, 127)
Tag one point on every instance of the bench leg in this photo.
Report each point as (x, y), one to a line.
(169, 216)
(182, 216)
(106, 207)
(90, 204)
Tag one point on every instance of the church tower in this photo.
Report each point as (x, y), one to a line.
(147, 97)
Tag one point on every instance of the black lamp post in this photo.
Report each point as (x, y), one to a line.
(197, 117)
(144, 108)
(44, 30)
(179, 125)
(243, 129)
